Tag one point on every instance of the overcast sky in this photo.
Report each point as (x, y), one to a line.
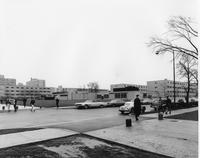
(71, 43)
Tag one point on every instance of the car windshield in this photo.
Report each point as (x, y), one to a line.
(127, 104)
(115, 101)
(89, 101)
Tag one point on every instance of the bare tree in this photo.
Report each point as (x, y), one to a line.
(182, 38)
(186, 68)
(93, 86)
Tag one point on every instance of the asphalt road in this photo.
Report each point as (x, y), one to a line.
(73, 119)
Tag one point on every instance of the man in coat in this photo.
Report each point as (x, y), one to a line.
(137, 107)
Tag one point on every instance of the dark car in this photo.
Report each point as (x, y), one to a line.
(156, 103)
(116, 103)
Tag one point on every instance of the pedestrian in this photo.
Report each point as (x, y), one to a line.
(8, 104)
(32, 103)
(57, 102)
(1, 101)
(137, 107)
(24, 102)
(15, 105)
(160, 108)
(168, 105)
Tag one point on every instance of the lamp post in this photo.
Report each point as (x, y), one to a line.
(157, 53)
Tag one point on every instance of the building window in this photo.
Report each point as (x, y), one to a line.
(99, 96)
(123, 95)
(117, 95)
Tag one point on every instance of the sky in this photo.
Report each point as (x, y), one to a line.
(72, 43)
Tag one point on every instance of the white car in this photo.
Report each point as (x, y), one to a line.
(129, 106)
(90, 104)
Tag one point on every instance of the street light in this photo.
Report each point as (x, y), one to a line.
(157, 53)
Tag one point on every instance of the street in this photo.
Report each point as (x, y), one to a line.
(73, 119)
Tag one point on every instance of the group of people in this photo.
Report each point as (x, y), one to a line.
(165, 107)
(13, 102)
(161, 108)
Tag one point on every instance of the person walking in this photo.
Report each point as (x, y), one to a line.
(168, 105)
(15, 105)
(32, 103)
(24, 102)
(160, 108)
(137, 107)
(8, 104)
(57, 103)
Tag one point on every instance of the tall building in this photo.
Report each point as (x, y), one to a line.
(21, 91)
(35, 83)
(34, 88)
(163, 88)
(7, 81)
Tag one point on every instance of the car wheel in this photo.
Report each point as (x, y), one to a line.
(86, 106)
(132, 110)
(122, 112)
(143, 109)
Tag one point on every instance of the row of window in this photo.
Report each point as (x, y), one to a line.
(28, 91)
(27, 88)
(120, 95)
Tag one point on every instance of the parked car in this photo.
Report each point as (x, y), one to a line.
(181, 101)
(155, 103)
(116, 102)
(192, 100)
(128, 108)
(146, 101)
(90, 104)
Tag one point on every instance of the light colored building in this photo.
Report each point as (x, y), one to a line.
(35, 83)
(7, 81)
(81, 94)
(2, 91)
(164, 88)
(26, 91)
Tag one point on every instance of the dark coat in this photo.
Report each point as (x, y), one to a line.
(32, 102)
(137, 106)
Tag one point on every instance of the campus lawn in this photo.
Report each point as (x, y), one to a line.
(76, 146)
(16, 130)
(186, 116)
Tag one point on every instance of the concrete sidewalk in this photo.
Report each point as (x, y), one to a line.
(20, 138)
(175, 138)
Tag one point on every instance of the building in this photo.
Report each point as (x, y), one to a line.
(81, 94)
(34, 88)
(128, 91)
(35, 83)
(125, 91)
(26, 91)
(7, 81)
(164, 88)
(2, 91)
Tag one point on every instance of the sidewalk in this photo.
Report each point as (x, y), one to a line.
(20, 138)
(170, 137)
